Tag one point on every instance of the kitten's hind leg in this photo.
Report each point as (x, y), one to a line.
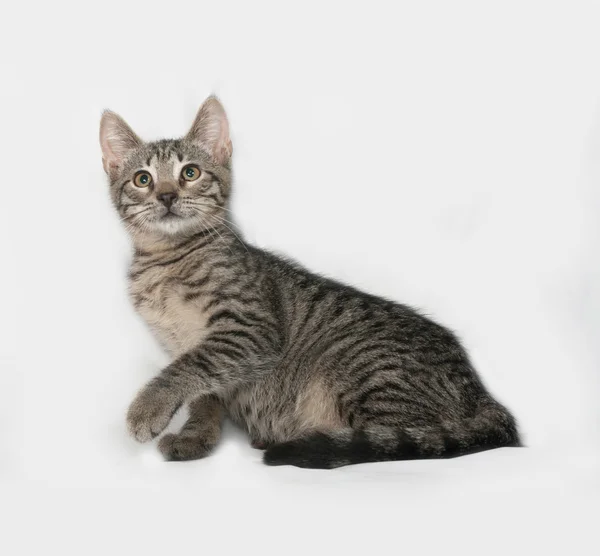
(200, 433)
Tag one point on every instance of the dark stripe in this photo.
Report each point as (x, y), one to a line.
(225, 341)
(246, 335)
(368, 347)
(138, 273)
(226, 314)
(217, 299)
(120, 194)
(200, 282)
(232, 353)
(374, 413)
(201, 360)
(355, 387)
(386, 388)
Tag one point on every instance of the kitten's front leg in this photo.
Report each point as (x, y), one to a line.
(220, 363)
(200, 433)
(152, 410)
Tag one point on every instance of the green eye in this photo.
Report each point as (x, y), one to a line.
(142, 179)
(190, 173)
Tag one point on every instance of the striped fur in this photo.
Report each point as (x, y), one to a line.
(319, 373)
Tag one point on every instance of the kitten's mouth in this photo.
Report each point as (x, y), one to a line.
(170, 215)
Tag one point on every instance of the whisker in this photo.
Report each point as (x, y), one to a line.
(194, 202)
(224, 223)
(211, 228)
(141, 211)
(205, 215)
(222, 220)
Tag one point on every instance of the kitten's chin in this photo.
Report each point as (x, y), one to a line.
(172, 224)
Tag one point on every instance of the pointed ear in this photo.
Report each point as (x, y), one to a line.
(117, 140)
(210, 130)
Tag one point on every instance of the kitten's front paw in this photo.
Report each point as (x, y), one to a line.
(151, 411)
(184, 447)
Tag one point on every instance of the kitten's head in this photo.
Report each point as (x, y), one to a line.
(169, 187)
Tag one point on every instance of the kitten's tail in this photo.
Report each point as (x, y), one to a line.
(492, 427)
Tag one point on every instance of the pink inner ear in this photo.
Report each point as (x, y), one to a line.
(225, 151)
(110, 162)
(117, 139)
(211, 130)
(223, 145)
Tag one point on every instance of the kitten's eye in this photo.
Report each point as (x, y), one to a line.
(142, 179)
(190, 173)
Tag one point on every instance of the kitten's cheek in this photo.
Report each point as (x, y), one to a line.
(151, 411)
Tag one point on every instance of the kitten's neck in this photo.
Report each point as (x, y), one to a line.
(156, 243)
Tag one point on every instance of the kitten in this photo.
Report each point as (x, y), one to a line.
(319, 374)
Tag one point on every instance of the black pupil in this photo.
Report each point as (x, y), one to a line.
(144, 179)
(190, 172)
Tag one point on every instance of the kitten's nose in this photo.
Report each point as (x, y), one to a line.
(167, 199)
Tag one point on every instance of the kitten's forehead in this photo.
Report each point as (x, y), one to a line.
(164, 163)
(168, 152)
(165, 150)
(163, 156)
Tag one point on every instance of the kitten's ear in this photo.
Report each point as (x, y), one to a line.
(210, 130)
(117, 140)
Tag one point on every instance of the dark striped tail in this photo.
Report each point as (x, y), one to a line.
(492, 427)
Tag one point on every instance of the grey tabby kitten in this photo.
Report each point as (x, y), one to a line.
(319, 374)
